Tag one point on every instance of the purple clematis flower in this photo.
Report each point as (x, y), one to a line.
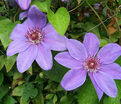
(83, 58)
(24, 4)
(34, 40)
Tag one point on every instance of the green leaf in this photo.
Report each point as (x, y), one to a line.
(119, 2)
(17, 78)
(109, 100)
(87, 94)
(118, 61)
(66, 100)
(3, 91)
(1, 78)
(88, 26)
(49, 96)
(29, 92)
(119, 22)
(43, 6)
(56, 73)
(2, 62)
(18, 91)
(103, 42)
(6, 27)
(21, 102)
(55, 99)
(9, 100)
(10, 62)
(37, 99)
(60, 20)
(114, 37)
(26, 91)
(17, 75)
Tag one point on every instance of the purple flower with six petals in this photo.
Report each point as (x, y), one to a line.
(34, 40)
(83, 58)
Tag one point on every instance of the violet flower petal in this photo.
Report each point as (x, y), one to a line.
(53, 39)
(65, 59)
(23, 15)
(26, 58)
(16, 47)
(24, 4)
(114, 70)
(106, 83)
(73, 79)
(76, 49)
(98, 90)
(91, 42)
(44, 57)
(38, 18)
(109, 53)
(19, 32)
(28, 23)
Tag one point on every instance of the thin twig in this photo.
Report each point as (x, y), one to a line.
(101, 22)
(14, 18)
(77, 6)
(97, 16)
(2, 52)
(6, 4)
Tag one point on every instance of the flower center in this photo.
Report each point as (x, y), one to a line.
(35, 35)
(91, 64)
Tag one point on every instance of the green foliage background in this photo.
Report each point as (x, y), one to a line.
(37, 86)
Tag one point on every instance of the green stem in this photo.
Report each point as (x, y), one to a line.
(77, 6)
(2, 52)
(14, 18)
(97, 16)
(6, 4)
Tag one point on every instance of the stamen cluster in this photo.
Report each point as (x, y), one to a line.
(34, 35)
(91, 64)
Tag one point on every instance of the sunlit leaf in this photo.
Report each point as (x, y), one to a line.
(60, 20)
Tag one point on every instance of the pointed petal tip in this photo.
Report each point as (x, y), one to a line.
(46, 68)
(8, 53)
(20, 71)
(98, 90)
(24, 4)
(106, 83)
(100, 98)
(65, 88)
(109, 53)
